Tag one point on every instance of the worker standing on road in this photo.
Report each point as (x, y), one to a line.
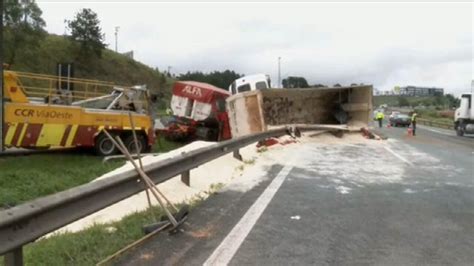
(413, 123)
(379, 116)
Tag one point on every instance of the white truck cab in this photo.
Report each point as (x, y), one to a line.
(250, 83)
(464, 115)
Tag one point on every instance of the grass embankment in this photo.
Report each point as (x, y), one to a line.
(89, 246)
(96, 243)
(24, 178)
(446, 116)
(111, 66)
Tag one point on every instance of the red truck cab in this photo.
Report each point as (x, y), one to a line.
(200, 110)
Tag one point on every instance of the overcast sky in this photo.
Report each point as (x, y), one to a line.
(380, 44)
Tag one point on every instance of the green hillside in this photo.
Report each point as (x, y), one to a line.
(112, 66)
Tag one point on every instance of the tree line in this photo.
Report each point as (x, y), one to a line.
(220, 79)
(24, 29)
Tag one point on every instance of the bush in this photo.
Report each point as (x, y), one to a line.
(446, 114)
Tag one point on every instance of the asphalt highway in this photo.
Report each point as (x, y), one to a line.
(403, 201)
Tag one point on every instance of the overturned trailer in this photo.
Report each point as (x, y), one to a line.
(257, 111)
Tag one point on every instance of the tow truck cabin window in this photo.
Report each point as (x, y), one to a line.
(245, 87)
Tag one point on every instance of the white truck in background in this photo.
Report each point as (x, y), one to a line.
(250, 83)
(464, 115)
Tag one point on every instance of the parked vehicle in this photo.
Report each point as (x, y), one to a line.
(40, 114)
(464, 115)
(400, 120)
(394, 113)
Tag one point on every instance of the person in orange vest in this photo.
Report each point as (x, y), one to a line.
(379, 117)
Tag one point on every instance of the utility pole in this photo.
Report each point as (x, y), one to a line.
(116, 37)
(279, 73)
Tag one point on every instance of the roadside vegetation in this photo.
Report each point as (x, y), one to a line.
(29, 48)
(89, 246)
(24, 178)
(446, 116)
(445, 102)
(435, 108)
(96, 243)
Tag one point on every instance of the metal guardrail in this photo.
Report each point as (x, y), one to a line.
(27, 222)
(432, 123)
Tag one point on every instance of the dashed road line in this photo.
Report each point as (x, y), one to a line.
(231, 243)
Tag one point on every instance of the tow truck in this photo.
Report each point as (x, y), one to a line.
(40, 114)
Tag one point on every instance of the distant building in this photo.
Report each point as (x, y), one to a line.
(421, 91)
(380, 93)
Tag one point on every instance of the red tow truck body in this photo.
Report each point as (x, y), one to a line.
(199, 111)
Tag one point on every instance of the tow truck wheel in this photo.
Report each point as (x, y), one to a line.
(130, 144)
(104, 146)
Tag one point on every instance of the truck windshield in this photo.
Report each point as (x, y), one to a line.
(261, 85)
(243, 88)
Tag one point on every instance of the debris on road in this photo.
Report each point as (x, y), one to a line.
(283, 140)
(370, 134)
(226, 170)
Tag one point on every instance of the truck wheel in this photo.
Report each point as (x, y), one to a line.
(104, 146)
(130, 144)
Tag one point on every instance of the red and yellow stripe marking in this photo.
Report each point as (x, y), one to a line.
(71, 135)
(9, 135)
(31, 135)
(53, 135)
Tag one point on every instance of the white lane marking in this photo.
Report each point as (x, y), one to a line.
(398, 156)
(229, 246)
(436, 131)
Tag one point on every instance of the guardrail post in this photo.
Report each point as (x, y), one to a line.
(185, 178)
(14, 257)
(237, 155)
